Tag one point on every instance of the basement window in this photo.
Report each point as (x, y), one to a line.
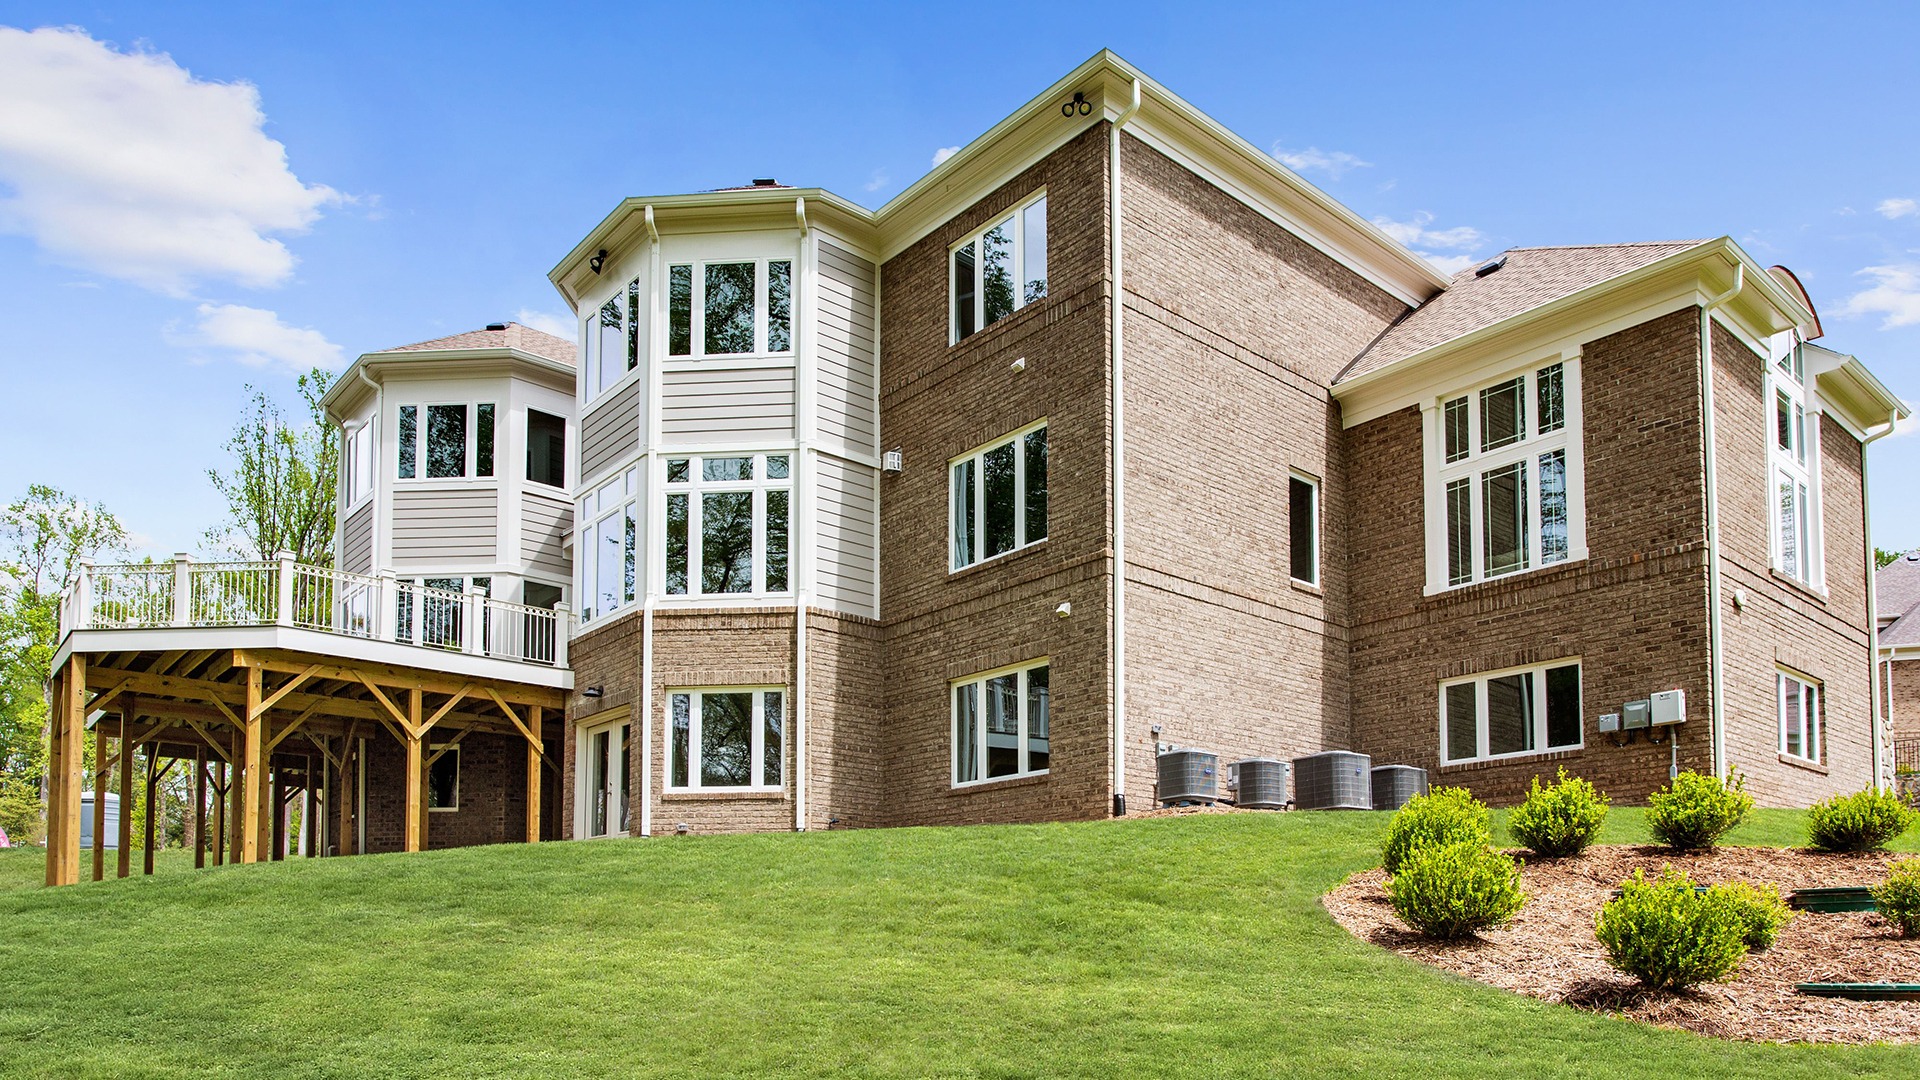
(728, 739)
(1000, 722)
(999, 269)
(1511, 713)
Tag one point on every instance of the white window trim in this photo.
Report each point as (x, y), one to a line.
(1017, 214)
(1812, 694)
(1314, 483)
(1783, 463)
(756, 742)
(473, 442)
(592, 511)
(590, 358)
(1021, 728)
(694, 488)
(452, 750)
(586, 729)
(1438, 472)
(566, 451)
(1481, 736)
(353, 456)
(978, 455)
(697, 316)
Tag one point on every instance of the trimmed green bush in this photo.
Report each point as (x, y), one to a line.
(1561, 818)
(1761, 911)
(1668, 935)
(1693, 812)
(1862, 821)
(1443, 816)
(1899, 898)
(1452, 891)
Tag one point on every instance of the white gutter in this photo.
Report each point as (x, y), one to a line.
(1119, 423)
(1873, 614)
(1715, 676)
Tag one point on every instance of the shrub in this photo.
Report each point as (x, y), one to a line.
(1443, 816)
(1762, 912)
(1862, 821)
(1451, 891)
(1693, 812)
(1561, 818)
(1899, 899)
(1668, 935)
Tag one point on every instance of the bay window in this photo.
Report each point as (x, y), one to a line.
(1511, 713)
(613, 339)
(736, 307)
(998, 497)
(1000, 724)
(1503, 464)
(999, 269)
(726, 739)
(1793, 460)
(453, 442)
(727, 520)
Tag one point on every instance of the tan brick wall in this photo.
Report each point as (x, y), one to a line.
(1903, 699)
(1234, 327)
(847, 768)
(1782, 622)
(939, 401)
(1633, 610)
(493, 794)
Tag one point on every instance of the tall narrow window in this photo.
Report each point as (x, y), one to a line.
(680, 310)
(409, 439)
(360, 463)
(1303, 529)
(1504, 503)
(726, 738)
(546, 449)
(729, 308)
(613, 347)
(999, 269)
(446, 440)
(1001, 724)
(483, 439)
(780, 306)
(1793, 452)
(609, 532)
(998, 498)
(728, 525)
(1511, 713)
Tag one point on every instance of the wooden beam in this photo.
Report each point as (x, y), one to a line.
(126, 789)
(289, 687)
(253, 763)
(416, 805)
(304, 716)
(63, 860)
(105, 697)
(187, 666)
(347, 750)
(211, 742)
(397, 677)
(458, 696)
(153, 780)
(164, 661)
(387, 702)
(533, 775)
(225, 697)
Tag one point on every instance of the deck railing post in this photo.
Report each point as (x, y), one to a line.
(417, 604)
(562, 627)
(471, 613)
(83, 596)
(182, 589)
(283, 595)
(385, 618)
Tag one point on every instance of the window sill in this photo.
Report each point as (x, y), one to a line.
(999, 783)
(1307, 587)
(986, 332)
(402, 483)
(1522, 576)
(954, 573)
(443, 809)
(1797, 585)
(1803, 763)
(728, 361)
(633, 375)
(753, 794)
(1558, 753)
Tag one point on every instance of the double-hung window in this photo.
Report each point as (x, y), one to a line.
(1799, 703)
(605, 551)
(728, 739)
(1510, 713)
(727, 522)
(1504, 468)
(443, 442)
(614, 338)
(999, 269)
(730, 307)
(1793, 459)
(358, 467)
(1000, 724)
(998, 497)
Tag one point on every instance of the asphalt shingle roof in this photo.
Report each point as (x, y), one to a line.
(1896, 590)
(524, 338)
(1530, 278)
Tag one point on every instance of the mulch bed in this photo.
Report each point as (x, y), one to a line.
(1549, 952)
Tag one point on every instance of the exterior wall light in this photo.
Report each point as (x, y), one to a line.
(1079, 104)
(593, 692)
(599, 260)
(1065, 609)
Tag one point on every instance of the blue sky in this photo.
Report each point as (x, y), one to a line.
(156, 254)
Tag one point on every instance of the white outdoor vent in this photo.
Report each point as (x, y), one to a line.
(892, 461)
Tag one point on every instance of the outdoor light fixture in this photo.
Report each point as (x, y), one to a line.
(1079, 104)
(599, 260)
(592, 691)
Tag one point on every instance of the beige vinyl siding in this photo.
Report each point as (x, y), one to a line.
(845, 324)
(610, 431)
(444, 524)
(356, 541)
(700, 405)
(544, 521)
(848, 506)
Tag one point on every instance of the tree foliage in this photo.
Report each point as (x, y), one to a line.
(280, 490)
(1881, 557)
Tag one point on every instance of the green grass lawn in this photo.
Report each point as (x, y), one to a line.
(1174, 947)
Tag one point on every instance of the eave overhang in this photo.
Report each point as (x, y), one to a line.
(348, 392)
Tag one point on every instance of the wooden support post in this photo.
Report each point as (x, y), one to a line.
(222, 780)
(345, 795)
(199, 807)
(253, 786)
(66, 770)
(102, 765)
(533, 775)
(279, 810)
(153, 813)
(126, 788)
(416, 811)
(311, 812)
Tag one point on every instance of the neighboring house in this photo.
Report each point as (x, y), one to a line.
(1897, 607)
(897, 517)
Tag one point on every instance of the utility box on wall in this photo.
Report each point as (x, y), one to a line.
(1635, 715)
(1668, 707)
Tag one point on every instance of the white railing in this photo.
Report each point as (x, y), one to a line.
(283, 592)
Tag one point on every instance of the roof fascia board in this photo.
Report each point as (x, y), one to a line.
(347, 391)
(1851, 393)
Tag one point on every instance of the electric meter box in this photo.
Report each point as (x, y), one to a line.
(1635, 715)
(1609, 722)
(1668, 707)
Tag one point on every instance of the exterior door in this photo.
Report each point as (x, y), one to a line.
(606, 780)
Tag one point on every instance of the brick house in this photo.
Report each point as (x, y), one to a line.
(947, 512)
(1897, 615)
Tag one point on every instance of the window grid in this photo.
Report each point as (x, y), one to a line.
(706, 750)
(1518, 712)
(695, 485)
(1001, 724)
(1504, 478)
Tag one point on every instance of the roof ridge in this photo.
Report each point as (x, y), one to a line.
(1624, 244)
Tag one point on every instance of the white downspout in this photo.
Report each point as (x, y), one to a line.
(1715, 675)
(800, 518)
(650, 410)
(1119, 425)
(1873, 611)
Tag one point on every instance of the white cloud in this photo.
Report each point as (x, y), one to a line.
(1418, 233)
(1897, 208)
(560, 326)
(878, 180)
(124, 164)
(1448, 264)
(943, 154)
(1910, 425)
(257, 338)
(1333, 163)
(1894, 294)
